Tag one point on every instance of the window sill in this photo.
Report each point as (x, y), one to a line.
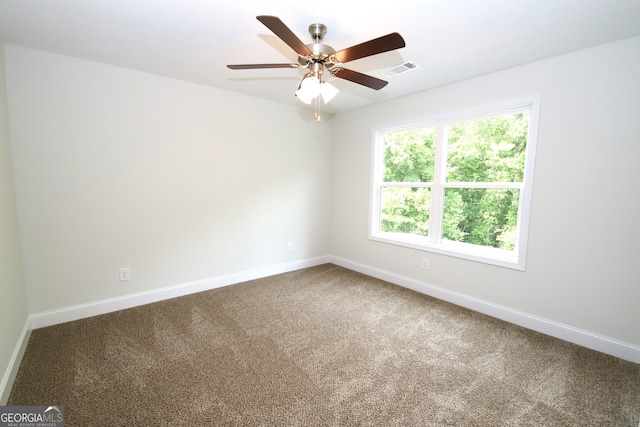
(497, 257)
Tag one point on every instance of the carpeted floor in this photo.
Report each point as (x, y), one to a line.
(315, 347)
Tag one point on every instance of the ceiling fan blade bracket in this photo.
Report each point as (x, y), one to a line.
(304, 60)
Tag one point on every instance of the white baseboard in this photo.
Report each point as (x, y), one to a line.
(14, 363)
(68, 314)
(564, 332)
(568, 333)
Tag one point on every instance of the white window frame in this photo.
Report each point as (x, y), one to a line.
(433, 243)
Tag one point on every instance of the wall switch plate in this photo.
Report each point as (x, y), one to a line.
(289, 247)
(425, 264)
(125, 274)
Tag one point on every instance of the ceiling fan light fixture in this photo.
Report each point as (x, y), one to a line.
(309, 89)
(328, 91)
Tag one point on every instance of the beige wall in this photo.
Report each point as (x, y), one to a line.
(584, 240)
(179, 182)
(116, 168)
(13, 303)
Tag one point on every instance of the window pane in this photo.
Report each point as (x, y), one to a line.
(409, 156)
(488, 150)
(486, 217)
(405, 210)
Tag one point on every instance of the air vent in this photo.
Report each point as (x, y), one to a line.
(400, 69)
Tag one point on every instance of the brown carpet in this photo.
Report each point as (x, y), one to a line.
(320, 346)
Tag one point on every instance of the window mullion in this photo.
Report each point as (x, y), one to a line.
(437, 191)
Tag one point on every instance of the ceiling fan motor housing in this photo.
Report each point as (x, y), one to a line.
(321, 52)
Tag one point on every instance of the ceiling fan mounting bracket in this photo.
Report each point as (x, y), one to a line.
(317, 32)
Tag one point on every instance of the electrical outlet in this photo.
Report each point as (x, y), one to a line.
(125, 274)
(425, 264)
(289, 247)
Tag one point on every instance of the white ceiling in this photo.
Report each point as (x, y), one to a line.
(193, 40)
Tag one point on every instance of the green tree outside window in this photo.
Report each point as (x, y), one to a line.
(485, 160)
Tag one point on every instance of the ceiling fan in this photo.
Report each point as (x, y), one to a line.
(320, 58)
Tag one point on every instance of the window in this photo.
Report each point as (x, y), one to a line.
(459, 184)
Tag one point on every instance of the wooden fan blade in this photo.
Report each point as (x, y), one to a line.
(286, 35)
(372, 47)
(356, 77)
(255, 66)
